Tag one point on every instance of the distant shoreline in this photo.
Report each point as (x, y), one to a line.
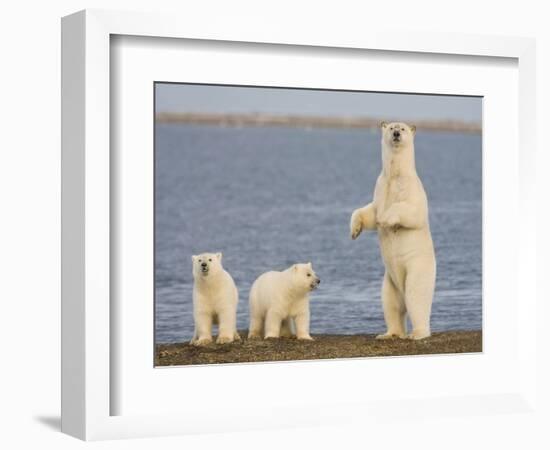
(257, 120)
(323, 347)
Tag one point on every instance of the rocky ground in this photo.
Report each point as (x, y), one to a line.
(323, 347)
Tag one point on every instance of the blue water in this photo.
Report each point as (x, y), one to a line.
(270, 197)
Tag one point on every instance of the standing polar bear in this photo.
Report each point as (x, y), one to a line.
(279, 303)
(399, 212)
(215, 299)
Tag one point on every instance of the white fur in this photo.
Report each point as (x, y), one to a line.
(215, 299)
(279, 303)
(399, 212)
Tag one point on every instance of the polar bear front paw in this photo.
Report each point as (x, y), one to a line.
(355, 233)
(418, 335)
(391, 336)
(202, 342)
(224, 339)
(306, 337)
(253, 336)
(356, 224)
(270, 337)
(389, 220)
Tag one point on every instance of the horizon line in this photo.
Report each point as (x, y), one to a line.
(308, 121)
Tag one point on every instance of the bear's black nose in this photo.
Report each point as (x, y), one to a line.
(318, 281)
(203, 264)
(396, 133)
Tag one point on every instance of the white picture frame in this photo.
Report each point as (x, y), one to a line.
(87, 326)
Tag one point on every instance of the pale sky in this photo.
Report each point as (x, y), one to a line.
(229, 99)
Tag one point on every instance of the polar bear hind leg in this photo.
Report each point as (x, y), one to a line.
(419, 291)
(256, 328)
(394, 311)
(273, 322)
(287, 328)
(257, 317)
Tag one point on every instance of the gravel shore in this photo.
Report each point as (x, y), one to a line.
(323, 347)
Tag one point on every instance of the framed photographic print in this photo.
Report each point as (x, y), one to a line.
(296, 162)
(291, 209)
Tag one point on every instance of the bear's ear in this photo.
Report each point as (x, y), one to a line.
(219, 256)
(295, 267)
(309, 264)
(383, 125)
(193, 257)
(413, 129)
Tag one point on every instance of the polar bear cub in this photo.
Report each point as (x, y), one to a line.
(279, 303)
(399, 211)
(215, 299)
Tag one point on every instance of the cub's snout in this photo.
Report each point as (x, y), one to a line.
(396, 135)
(315, 283)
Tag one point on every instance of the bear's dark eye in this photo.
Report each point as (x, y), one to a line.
(308, 274)
(402, 129)
(200, 260)
(210, 259)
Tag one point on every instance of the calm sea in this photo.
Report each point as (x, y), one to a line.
(270, 197)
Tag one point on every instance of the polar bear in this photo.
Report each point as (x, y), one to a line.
(399, 211)
(215, 299)
(279, 303)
